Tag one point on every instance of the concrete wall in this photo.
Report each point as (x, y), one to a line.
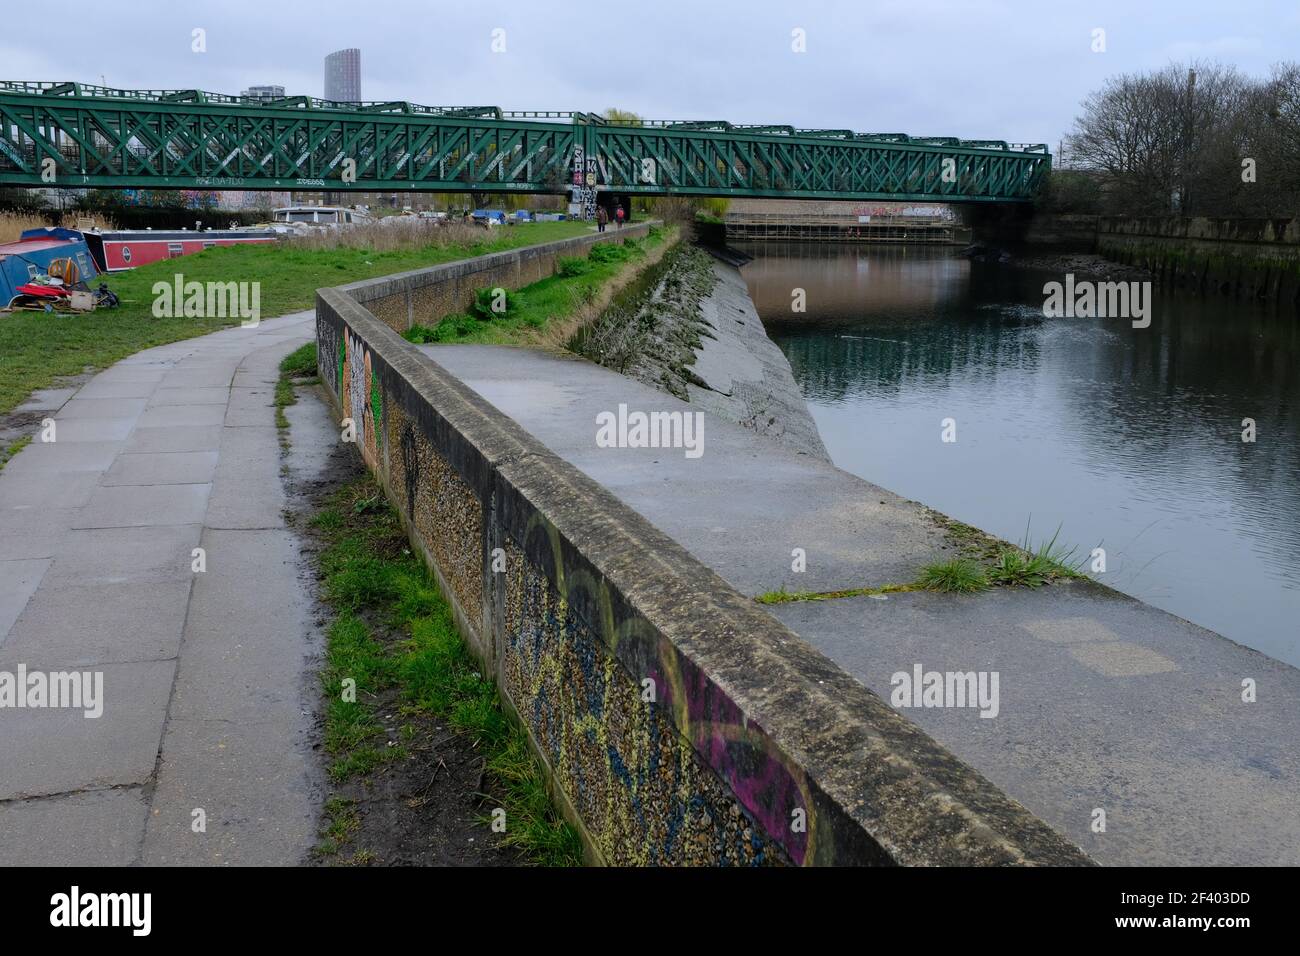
(1248, 258)
(680, 724)
(424, 296)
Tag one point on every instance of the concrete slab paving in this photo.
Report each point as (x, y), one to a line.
(246, 635)
(127, 371)
(18, 581)
(49, 751)
(247, 502)
(46, 400)
(90, 828)
(62, 457)
(142, 555)
(92, 429)
(97, 532)
(99, 388)
(198, 378)
(216, 395)
(164, 416)
(20, 489)
(256, 793)
(175, 438)
(126, 506)
(33, 532)
(101, 408)
(74, 624)
(163, 468)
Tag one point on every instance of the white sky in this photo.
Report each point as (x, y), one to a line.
(988, 69)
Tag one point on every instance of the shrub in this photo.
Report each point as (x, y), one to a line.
(450, 329)
(486, 299)
(608, 252)
(572, 266)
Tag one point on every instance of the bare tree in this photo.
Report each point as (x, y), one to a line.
(1176, 142)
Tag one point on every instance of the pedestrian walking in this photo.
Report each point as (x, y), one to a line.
(602, 218)
(618, 214)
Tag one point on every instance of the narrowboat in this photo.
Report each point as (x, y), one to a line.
(118, 249)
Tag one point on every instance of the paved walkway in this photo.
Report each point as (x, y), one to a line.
(206, 700)
(1105, 702)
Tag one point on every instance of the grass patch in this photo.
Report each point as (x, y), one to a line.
(985, 562)
(577, 282)
(958, 576)
(298, 364)
(1035, 567)
(394, 634)
(786, 597)
(37, 347)
(14, 448)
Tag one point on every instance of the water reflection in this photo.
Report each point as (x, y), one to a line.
(1124, 438)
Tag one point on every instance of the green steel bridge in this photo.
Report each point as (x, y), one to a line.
(73, 135)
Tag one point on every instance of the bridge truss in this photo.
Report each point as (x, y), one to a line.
(73, 136)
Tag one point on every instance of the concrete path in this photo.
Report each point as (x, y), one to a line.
(1105, 703)
(206, 704)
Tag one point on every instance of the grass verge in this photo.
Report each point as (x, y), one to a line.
(38, 347)
(541, 312)
(14, 448)
(394, 636)
(296, 368)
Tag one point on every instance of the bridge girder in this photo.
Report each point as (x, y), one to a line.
(192, 140)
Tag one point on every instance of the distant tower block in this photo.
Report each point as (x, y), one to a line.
(343, 76)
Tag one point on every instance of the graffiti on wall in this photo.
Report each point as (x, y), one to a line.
(361, 396)
(329, 359)
(658, 761)
(647, 772)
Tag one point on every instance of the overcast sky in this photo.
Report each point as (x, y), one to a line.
(995, 69)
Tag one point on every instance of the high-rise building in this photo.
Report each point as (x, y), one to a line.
(264, 92)
(343, 76)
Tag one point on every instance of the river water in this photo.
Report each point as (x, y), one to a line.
(1107, 436)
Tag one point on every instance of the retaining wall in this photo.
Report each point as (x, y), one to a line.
(424, 296)
(679, 723)
(1248, 258)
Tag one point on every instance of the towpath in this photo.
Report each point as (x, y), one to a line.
(202, 752)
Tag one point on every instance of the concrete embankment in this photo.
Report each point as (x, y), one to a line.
(698, 336)
(1107, 704)
(679, 722)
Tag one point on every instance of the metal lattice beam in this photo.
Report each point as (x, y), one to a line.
(96, 137)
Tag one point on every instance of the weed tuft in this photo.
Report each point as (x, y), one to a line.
(960, 576)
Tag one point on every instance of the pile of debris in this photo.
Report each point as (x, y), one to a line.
(50, 270)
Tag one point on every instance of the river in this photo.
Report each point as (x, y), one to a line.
(1088, 429)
